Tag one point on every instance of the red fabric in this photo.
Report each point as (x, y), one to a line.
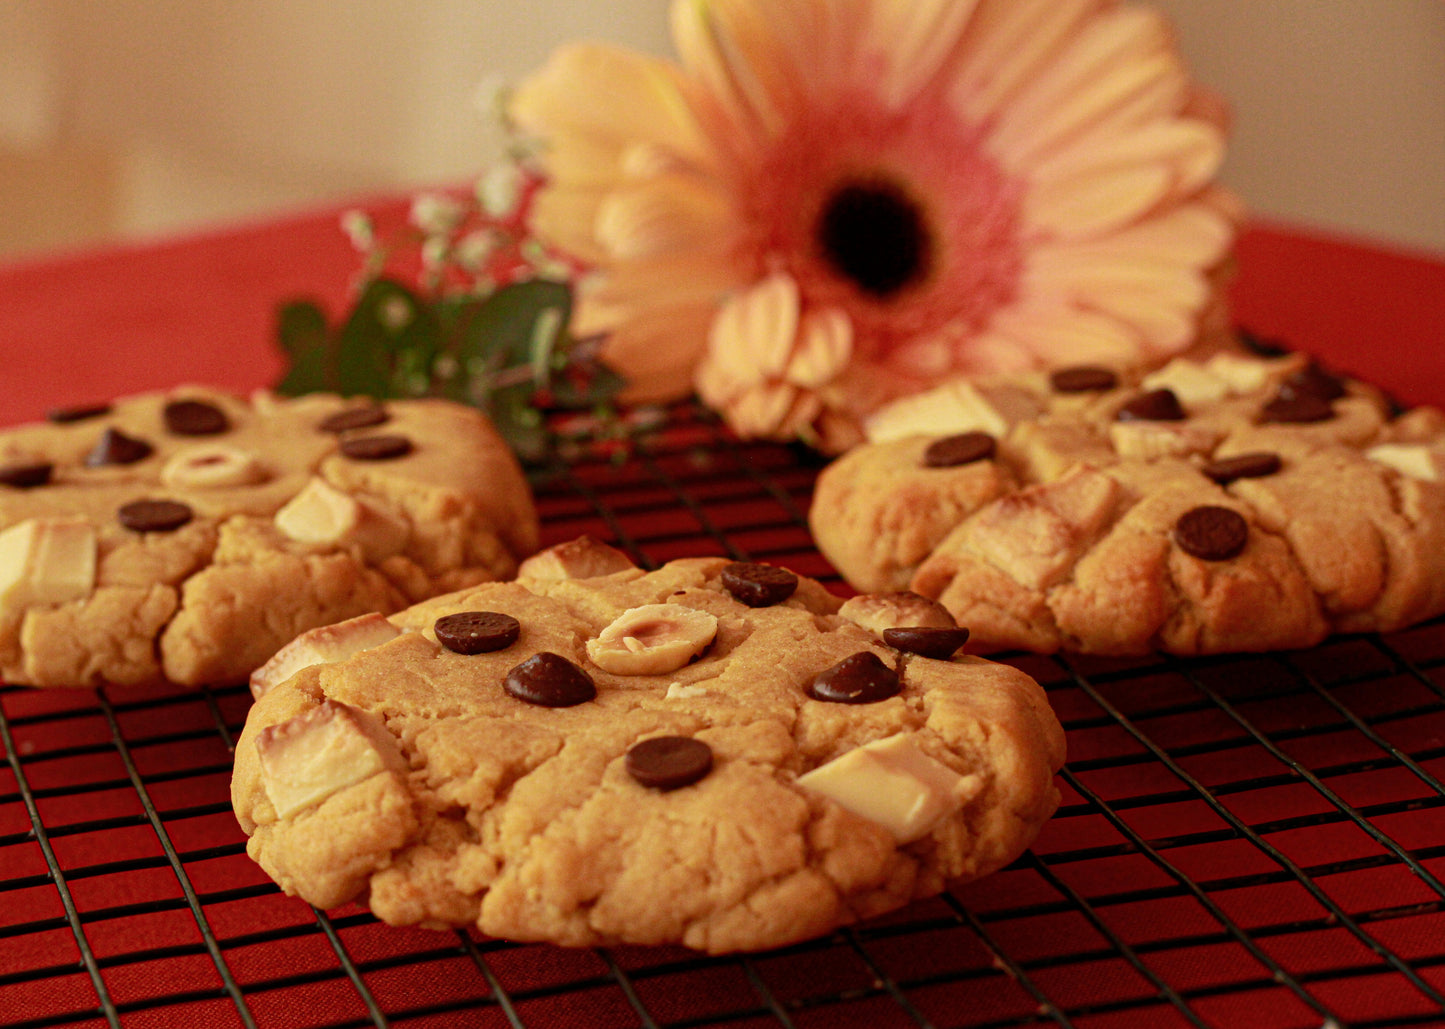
(1374, 312)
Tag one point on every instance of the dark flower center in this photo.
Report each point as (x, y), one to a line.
(873, 234)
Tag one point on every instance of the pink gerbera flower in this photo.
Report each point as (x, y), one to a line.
(827, 204)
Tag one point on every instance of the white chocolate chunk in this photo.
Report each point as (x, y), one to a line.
(878, 611)
(652, 640)
(1243, 374)
(677, 691)
(323, 645)
(310, 757)
(213, 466)
(954, 407)
(46, 561)
(1190, 382)
(894, 783)
(1148, 441)
(1412, 459)
(581, 558)
(321, 513)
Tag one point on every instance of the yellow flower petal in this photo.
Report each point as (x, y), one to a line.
(1063, 335)
(1119, 53)
(915, 38)
(825, 343)
(1099, 202)
(724, 44)
(1195, 235)
(658, 349)
(704, 276)
(611, 95)
(1192, 149)
(753, 334)
(1009, 42)
(667, 215)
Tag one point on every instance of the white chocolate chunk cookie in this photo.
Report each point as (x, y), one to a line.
(755, 768)
(1240, 503)
(186, 536)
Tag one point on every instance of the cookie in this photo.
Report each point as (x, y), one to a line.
(1241, 503)
(186, 536)
(715, 754)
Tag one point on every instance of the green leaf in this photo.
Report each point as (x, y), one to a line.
(500, 330)
(390, 338)
(302, 333)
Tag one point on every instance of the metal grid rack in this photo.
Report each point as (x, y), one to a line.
(1244, 842)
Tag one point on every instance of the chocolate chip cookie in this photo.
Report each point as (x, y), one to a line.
(722, 755)
(1240, 503)
(186, 536)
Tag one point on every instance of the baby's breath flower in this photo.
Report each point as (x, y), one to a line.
(434, 252)
(499, 190)
(436, 214)
(475, 249)
(359, 229)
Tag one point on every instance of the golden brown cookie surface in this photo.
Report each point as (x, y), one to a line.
(1239, 503)
(704, 755)
(185, 536)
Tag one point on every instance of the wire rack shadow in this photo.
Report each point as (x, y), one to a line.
(1248, 841)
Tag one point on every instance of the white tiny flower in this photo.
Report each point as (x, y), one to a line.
(395, 314)
(475, 249)
(434, 250)
(499, 190)
(436, 214)
(359, 229)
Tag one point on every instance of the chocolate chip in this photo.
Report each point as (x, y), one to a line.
(477, 632)
(1211, 533)
(362, 417)
(115, 447)
(952, 451)
(154, 515)
(669, 762)
(758, 585)
(376, 448)
(860, 679)
(1261, 346)
(549, 680)
(1312, 380)
(1297, 409)
(1157, 405)
(925, 640)
(1083, 378)
(66, 415)
(195, 418)
(1253, 465)
(26, 475)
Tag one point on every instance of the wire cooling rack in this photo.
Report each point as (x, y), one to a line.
(1244, 842)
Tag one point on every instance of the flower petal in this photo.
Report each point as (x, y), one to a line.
(1194, 235)
(656, 349)
(726, 45)
(1192, 150)
(611, 95)
(667, 215)
(752, 336)
(1097, 202)
(1120, 53)
(1006, 46)
(825, 343)
(915, 38)
(1059, 334)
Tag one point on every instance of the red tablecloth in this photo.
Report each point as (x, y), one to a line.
(1244, 844)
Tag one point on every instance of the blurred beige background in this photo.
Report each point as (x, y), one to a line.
(125, 119)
